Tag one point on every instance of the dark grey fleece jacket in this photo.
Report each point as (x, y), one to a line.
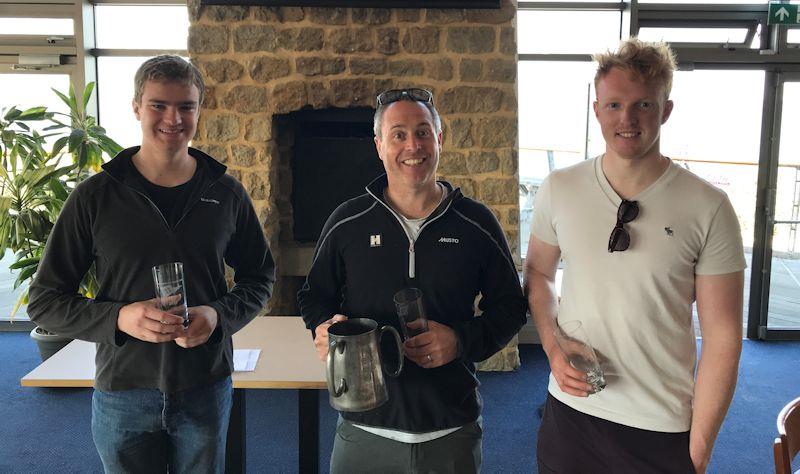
(109, 221)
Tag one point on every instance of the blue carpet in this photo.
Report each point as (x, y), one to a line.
(48, 430)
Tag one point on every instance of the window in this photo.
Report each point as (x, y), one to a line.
(145, 31)
(36, 26)
(695, 35)
(158, 27)
(735, 2)
(42, 51)
(566, 32)
(718, 138)
(556, 123)
(115, 79)
(31, 90)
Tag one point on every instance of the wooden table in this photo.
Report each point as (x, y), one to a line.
(288, 361)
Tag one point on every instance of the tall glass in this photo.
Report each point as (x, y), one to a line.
(410, 308)
(171, 289)
(574, 342)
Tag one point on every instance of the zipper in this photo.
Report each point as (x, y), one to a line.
(412, 261)
(154, 206)
(186, 211)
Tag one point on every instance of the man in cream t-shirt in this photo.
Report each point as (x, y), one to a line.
(641, 238)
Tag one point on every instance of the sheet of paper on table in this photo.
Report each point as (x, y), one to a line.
(244, 360)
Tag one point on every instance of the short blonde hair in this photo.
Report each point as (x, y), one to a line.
(646, 62)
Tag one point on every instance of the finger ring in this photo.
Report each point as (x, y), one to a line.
(430, 359)
(163, 322)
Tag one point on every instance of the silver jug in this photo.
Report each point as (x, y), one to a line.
(354, 357)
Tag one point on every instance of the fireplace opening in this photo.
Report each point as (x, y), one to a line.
(332, 158)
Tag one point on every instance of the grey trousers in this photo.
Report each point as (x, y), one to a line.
(356, 451)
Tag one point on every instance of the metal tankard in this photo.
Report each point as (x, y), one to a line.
(354, 357)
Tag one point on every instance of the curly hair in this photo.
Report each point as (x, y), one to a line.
(644, 61)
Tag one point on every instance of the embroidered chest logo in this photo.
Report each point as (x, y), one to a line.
(668, 231)
(375, 240)
(212, 201)
(448, 240)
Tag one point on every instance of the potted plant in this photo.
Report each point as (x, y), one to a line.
(34, 183)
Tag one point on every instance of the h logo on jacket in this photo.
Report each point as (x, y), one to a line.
(375, 240)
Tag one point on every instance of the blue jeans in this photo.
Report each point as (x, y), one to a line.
(148, 431)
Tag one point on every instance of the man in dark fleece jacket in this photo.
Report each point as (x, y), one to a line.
(163, 392)
(411, 231)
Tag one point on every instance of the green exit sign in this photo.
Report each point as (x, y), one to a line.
(783, 14)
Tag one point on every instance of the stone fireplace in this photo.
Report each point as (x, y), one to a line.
(262, 64)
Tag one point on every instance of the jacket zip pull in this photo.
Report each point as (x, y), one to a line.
(411, 259)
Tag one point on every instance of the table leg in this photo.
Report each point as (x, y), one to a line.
(235, 458)
(308, 409)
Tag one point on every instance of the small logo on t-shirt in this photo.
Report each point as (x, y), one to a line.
(375, 240)
(668, 231)
(448, 240)
(212, 201)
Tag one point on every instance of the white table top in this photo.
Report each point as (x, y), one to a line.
(288, 359)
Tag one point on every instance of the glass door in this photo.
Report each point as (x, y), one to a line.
(783, 312)
(718, 139)
(780, 298)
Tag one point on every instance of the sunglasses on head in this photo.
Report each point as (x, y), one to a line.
(415, 94)
(620, 239)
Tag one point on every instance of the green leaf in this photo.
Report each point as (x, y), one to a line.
(72, 101)
(109, 146)
(87, 94)
(5, 205)
(95, 157)
(58, 146)
(46, 177)
(25, 275)
(34, 113)
(63, 98)
(97, 130)
(60, 123)
(75, 139)
(25, 262)
(12, 113)
(58, 189)
(23, 299)
(5, 233)
(7, 136)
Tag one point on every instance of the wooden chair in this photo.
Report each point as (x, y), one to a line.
(787, 444)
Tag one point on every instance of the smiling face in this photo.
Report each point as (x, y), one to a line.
(630, 113)
(168, 112)
(409, 145)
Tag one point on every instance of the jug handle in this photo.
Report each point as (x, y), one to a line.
(335, 392)
(399, 350)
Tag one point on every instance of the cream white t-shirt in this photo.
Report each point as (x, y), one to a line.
(636, 305)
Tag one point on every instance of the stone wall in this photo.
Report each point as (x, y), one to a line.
(264, 61)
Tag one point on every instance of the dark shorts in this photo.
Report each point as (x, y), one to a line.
(574, 442)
